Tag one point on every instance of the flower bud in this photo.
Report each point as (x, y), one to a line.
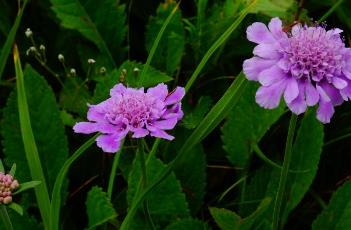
(73, 72)
(42, 47)
(28, 33)
(61, 58)
(7, 200)
(91, 61)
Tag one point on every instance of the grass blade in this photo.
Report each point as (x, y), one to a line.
(10, 38)
(56, 192)
(32, 155)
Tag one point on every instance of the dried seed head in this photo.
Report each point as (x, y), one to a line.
(73, 72)
(42, 47)
(91, 61)
(102, 70)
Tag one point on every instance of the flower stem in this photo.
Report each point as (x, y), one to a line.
(5, 218)
(113, 171)
(284, 172)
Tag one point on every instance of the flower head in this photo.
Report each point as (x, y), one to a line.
(133, 110)
(309, 65)
(7, 185)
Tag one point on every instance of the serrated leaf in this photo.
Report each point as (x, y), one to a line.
(193, 118)
(47, 127)
(26, 185)
(93, 19)
(170, 49)
(228, 220)
(337, 215)
(166, 202)
(99, 207)
(188, 224)
(243, 128)
(129, 76)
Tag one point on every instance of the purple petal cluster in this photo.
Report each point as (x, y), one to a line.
(307, 66)
(132, 110)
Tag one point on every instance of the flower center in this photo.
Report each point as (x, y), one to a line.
(315, 54)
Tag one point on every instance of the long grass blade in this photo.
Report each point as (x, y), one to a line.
(10, 39)
(56, 192)
(32, 155)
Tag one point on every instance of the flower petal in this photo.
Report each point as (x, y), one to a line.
(311, 94)
(254, 66)
(160, 91)
(339, 83)
(271, 75)
(325, 111)
(117, 90)
(292, 90)
(268, 51)
(259, 33)
(269, 96)
(166, 124)
(175, 96)
(138, 133)
(85, 127)
(333, 94)
(161, 134)
(109, 143)
(298, 105)
(94, 114)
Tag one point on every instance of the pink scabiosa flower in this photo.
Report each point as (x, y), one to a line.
(309, 65)
(133, 110)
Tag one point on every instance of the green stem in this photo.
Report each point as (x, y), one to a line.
(337, 139)
(113, 171)
(284, 172)
(330, 11)
(153, 150)
(5, 218)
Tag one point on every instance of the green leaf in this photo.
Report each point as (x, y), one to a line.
(193, 118)
(16, 207)
(337, 215)
(170, 48)
(99, 207)
(22, 222)
(2, 169)
(166, 203)
(26, 185)
(228, 220)
(129, 76)
(243, 128)
(93, 19)
(13, 170)
(273, 8)
(67, 118)
(188, 224)
(49, 133)
(74, 96)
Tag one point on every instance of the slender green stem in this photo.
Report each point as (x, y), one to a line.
(153, 150)
(5, 218)
(330, 11)
(284, 172)
(231, 188)
(113, 171)
(332, 141)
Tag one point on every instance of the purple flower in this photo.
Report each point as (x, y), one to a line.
(133, 110)
(309, 65)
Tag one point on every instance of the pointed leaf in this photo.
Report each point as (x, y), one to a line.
(99, 207)
(26, 185)
(16, 207)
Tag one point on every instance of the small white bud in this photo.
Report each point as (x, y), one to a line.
(28, 33)
(31, 50)
(61, 57)
(91, 61)
(136, 69)
(124, 71)
(42, 47)
(73, 72)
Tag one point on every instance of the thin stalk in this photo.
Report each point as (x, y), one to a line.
(337, 139)
(330, 11)
(5, 218)
(153, 149)
(113, 171)
(284, 172)
(231, 188)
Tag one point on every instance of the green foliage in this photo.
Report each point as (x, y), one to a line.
(273, 8)
(99, 207)
(166, 202)
(171, 46)
(129, 74)
(188, 224)
(26, 185)
(338, 213)
(93, 20)
(228, 220)
(243, 129)
(193, 118)
(48, 133)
